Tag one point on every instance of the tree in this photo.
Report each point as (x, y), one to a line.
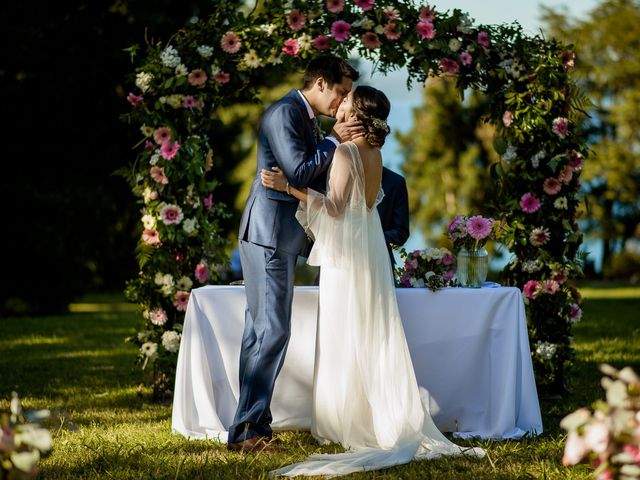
(447, 154)
(608, 65)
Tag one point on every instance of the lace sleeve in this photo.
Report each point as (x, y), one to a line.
(339, 185)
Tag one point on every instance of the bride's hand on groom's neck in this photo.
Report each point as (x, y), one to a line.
(346, 130)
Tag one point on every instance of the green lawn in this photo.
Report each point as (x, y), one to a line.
(79, 366)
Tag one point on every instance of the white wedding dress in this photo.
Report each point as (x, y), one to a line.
(365, 396)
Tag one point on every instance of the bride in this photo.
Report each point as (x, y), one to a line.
(365, 394)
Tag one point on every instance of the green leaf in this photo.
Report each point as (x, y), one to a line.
(500, 145)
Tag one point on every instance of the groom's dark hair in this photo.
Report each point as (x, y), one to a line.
(331, 68)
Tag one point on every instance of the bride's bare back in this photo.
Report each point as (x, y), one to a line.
(372, 168)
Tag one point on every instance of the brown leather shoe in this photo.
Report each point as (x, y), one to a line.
(253, 444)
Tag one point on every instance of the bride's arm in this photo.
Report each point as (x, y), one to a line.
(276, 180)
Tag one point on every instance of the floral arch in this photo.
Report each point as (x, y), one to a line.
(223, 59)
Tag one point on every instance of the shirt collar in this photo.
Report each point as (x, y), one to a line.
(306, 104)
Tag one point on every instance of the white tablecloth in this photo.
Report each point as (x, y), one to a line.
(469, 347)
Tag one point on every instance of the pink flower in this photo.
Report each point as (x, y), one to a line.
(158, 317)
(371, 40)
(633, 451)
(295, 19)
(158, 176)
(551, 186)
(483, 39)
(390, 31)
(550, 287)
(448, 259)
(530, 289)
(291, 47)
(321, 42)
(162, 135)
(457, 227)
(567, 58)
(575, 313)
(425, 30)
(560, 276)
(575, 160)
(529, 203)
(479, 227)
(566, 175)
(335, 6)
(427, 14)
(169, 150)
(340, 30)
(466, 58)
(171, 214)
(391, 12)
(406, 281)
(197, 77)
(560, 127)
(365, 5)
(151, 237)
(448, 275)
(189, 102)
(539, 236)
(202, 272)
(134, 99)
(574, 450)
(449, 66)
(181, 300)
(507, 118)
(208, 201)
(222, 77)
(230, 42)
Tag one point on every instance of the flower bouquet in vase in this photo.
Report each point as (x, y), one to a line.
(469, 234)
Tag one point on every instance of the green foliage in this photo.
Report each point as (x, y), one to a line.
(608, 67)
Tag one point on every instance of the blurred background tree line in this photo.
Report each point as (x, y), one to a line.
(448, 150)
(71, 225)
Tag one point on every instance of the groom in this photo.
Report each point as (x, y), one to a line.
(271, 237)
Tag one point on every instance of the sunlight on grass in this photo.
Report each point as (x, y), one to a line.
(79, 366)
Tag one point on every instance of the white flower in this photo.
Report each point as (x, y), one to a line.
(379, 29)
(146, 130)
(149, 221)
(305, 41)
(465, 24)
(408, 46)
(171, 214)
(510, 154)
(149, 348)
(251, 59)
(454, 44)
(190, 225)
(143, 81)
(546, 350)
(392, 12)
(144, 335)
(205, 51)
(30, 435)
(158, 317)
(159, 278)
(154, 158)
(170, 57)
(181, 70)
(167, 280)
(368, 24)
(535, 160)
(561, 203)
(185, 283)
(269, 28)
(429, 274)
(171, 340)
(24, 461)
(149, 195)
(531, 266)
(419, 283)
(215, 69)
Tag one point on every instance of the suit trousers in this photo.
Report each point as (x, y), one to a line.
(268, 281)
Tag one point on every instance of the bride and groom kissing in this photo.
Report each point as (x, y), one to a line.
(365, 396)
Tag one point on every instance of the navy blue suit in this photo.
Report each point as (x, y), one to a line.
(270, 240)
(394, 210)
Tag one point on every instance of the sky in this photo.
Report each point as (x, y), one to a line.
(525, 12)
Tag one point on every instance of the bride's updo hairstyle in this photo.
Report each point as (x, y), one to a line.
(372, 107)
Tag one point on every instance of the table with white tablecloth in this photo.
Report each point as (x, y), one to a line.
(469, 347)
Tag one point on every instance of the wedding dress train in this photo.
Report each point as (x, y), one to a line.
(366, 396)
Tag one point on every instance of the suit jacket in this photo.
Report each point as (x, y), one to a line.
(286, 138)
(394, 210)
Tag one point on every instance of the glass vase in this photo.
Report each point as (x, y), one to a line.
(473, 266)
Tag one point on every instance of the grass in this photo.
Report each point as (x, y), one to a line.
(79, 366)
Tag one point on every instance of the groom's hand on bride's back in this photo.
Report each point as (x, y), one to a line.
(347, 130)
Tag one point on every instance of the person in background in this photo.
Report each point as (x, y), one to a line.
(394, 210)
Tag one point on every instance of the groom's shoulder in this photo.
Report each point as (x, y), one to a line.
(289, 103)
